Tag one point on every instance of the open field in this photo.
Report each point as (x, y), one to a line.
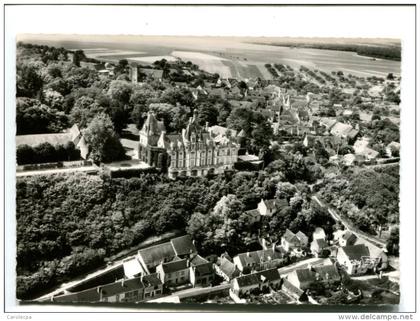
(230, 57)
(97, 54)
(151, 59)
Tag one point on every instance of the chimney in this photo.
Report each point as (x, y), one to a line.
(122, 282)
(247, 254)
(207, 126)
(99, 291)
(273, 246)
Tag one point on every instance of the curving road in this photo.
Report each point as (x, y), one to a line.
(376, 241)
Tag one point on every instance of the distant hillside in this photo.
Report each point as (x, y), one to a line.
(390, 52)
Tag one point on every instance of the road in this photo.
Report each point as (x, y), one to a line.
(383, 165)
(347, 225)
(289, 268)
(92, 169)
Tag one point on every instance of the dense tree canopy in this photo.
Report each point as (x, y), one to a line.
(102, 139)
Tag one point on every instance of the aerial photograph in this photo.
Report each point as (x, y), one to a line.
(207, 170)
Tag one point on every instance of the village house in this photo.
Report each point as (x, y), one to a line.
(180, 247)
(344, 131)
(131, 290)
(318, 247)
(259, 260)
(152, 256)
(376, 253)
(89, 295)
(347, 238)
(294, 291)
(252, 217)
(201, 272)
(226, 269)
(184, 247)
(174, 273)
(304, 278)
(327, 274)
(259, 281)
(291, 241)
(153, 287)
(301, 278)
(269, 207)
(356, 259)
(303, 239)
(194, 270)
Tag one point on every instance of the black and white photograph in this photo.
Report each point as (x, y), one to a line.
(216, 162)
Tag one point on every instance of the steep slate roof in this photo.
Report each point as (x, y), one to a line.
(355, 252)
(175, 266)
(198, 260)
(90, 295)
(151, 280)
(228, 268)
(121, 287)
(289, 287)
(321, 243)
(259, 256)
(270, 274)
(344, 130)
(153, 255)
(249, 258)
(349, 237)
(290, 237)
(203, 269)
(328, 272)
(301, 236)
(269, 254)
(305, 275)
(328, 122)
(255, 278)
(247, 280)
(183, 245)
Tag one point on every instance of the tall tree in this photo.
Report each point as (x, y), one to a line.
(102, 140)
(28, 81)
